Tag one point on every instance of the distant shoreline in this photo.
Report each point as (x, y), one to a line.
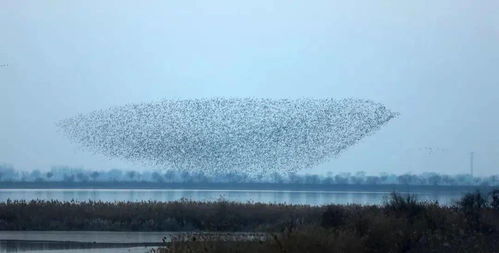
(243, 186)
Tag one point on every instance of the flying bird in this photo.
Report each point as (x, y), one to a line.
(227, 134)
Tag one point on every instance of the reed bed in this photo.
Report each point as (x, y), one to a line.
(402, 224)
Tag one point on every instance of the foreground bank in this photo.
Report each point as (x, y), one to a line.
(402, 224)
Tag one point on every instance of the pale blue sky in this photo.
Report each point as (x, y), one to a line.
(435, 62)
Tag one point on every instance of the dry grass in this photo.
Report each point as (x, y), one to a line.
(402, 224)
(181, 215)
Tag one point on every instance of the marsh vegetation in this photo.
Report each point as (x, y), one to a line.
(401, 224)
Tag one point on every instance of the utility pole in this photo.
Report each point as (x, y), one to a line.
(472, 158)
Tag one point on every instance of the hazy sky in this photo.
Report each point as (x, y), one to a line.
(435, 62)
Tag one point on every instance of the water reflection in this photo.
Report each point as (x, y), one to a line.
(94, 241)
(47, 247)
(265, 196)
(79, 241)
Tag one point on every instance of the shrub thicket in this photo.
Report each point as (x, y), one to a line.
(403, 224)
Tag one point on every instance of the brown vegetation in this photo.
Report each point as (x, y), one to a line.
(402, 224)
(183, 215)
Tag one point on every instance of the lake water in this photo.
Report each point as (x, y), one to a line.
(140, 242)
(96, 241)
(79, 241)
(265, 196)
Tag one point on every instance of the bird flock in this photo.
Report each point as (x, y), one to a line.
(228, 134)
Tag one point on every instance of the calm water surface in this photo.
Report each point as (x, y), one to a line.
(78, 241)
(265, 196)
(105, 242)
(92, 241)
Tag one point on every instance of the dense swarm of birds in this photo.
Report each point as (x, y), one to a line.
(229, 134)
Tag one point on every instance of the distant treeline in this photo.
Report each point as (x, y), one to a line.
(77, 175)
